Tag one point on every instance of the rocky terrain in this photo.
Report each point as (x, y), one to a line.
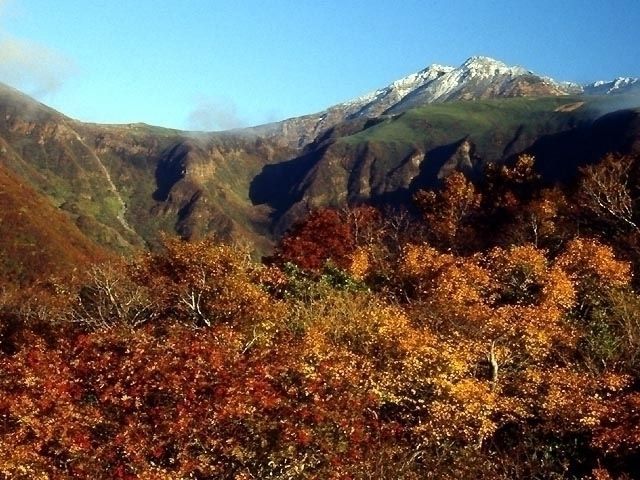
(123, 186)
(477, 78)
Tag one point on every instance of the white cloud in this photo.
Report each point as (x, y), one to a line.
(212, 115)
(29, 66)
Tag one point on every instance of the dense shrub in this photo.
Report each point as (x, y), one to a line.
(378, 360)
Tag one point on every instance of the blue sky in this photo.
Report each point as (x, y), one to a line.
(224, 63)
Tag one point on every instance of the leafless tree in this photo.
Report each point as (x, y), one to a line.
(110, 298)
(606, 193)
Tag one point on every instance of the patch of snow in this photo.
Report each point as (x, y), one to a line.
(611, 86)
(486, 67)
(439, 82)
(402, 87)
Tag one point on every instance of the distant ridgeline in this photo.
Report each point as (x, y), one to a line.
(123, 186)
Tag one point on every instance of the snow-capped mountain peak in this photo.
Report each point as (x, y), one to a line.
(404, 85)
(485, 67)
(615, 86)
(377, 102)
(416, 79)
(478, 77)
(482, 77)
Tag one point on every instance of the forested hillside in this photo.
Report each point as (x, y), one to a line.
(492, 331)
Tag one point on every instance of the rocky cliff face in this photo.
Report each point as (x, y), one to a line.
(122, 185)
(389, 161)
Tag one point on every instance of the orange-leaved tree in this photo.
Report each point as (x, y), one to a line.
(451, 213)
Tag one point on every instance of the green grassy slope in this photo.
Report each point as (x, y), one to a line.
(106, 177)
(488, 122)
(391, 158)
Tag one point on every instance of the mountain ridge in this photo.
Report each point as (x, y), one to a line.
(124, 185)
(392, 159)
(478, 77)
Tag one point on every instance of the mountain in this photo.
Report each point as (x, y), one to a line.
(122, 186)
(618, 86)
(477, 78)
(389, 159)
(482, 77)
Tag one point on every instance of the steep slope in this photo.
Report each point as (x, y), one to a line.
(202, 187)
(559, 155)
(376, 103)
(125, 184)
(477, 78)
(37, 239)
(389, 160)
(47, 150)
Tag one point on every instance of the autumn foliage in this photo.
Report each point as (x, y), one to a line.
(371, 347)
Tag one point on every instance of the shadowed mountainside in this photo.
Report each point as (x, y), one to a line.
(123, 186)
(388, 160)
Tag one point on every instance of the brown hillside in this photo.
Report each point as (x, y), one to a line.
(37, 239)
